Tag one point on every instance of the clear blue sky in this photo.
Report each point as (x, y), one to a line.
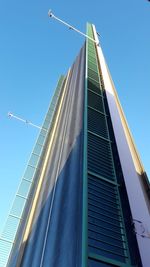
(35, 50)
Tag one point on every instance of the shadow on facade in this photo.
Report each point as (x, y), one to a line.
(57, 225)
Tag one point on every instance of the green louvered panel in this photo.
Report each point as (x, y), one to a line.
(91, 53)
(92, 66)
(93, 74)
(94, 86)
(99, 157)
(105, 228)
(106, 232)
(95, 101)
(97, 123)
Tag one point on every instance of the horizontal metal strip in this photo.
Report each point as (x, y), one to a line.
(106, 260)
(92, 60)
(102, 186)
(96, 105)
(99, 172)
(106, 139)
(119, 233)
(92, 77)
(94, 89)
(14, 216)
(92, 56)
(92, 67)
(97, 129)
(100, 169)
(103, 178)
(18, 195)
(95, 71)
(96, 83)
(105, 242)
(92, 72)
(109, 251)
(98, 111)
(96, 93)
(30, 181)
(6, 240)
(101, 195)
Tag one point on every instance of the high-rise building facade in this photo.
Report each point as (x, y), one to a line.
(84, 198)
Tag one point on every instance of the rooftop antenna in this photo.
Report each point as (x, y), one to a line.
(51, 15)
(11, 115)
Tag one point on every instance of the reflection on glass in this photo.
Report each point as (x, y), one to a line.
(29, 173)
(24, 188)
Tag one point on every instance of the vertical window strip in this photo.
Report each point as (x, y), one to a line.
(8, 235)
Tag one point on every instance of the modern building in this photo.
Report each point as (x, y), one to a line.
(84, 199)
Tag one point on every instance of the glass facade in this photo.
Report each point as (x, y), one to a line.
(15, 217)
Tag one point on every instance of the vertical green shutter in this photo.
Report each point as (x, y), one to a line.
(107, 243)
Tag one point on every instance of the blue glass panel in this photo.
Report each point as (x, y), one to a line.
(24, 188)
(18, 206)
(37, 149)
(29, 173)
(34, 160)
